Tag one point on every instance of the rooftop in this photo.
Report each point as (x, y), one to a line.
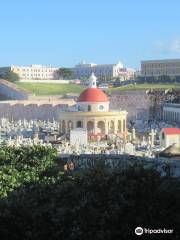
(171, 131)
(161, 60)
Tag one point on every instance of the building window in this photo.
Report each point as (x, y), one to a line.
(89, 108)
(163, 136)
(101, 107)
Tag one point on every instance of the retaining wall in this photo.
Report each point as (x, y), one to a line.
(136, 103)
(123, 161)
(11, 91)
(41, 110)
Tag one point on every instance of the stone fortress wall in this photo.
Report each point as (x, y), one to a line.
(136, 103)
(28, 106)
(42, 110)
(21, 104)
(11, 91)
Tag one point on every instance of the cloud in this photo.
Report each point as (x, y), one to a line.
(172, 46)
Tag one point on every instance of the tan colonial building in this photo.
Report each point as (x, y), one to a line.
(92, 113)
(32, 72)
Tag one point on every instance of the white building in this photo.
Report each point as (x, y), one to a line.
(33, 71)
(78, 137)
(156, 68)
(170, 136)
(127, 74)
(171, 112)
(100, 70)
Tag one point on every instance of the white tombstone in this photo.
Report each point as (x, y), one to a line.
(152, 134)
(133, 133)
(143, 143)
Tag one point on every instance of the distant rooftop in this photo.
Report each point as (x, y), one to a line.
(84, 64)
(171, 131)
(34, 66)
(161, 60)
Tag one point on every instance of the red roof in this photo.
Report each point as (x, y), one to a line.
(171, 131)
(93, 95)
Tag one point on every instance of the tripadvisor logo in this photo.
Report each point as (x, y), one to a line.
(140, 231)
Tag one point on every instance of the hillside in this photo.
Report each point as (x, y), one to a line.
(40, 89)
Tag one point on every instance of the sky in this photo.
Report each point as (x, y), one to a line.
(64, 32)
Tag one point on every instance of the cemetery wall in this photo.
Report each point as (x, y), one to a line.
(42, 110)
(123, 161)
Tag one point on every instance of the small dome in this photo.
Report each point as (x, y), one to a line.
(93, 95)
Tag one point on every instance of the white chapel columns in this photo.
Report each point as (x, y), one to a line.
(115, 126)
(95, 126)
(84, 123)
(106, 127)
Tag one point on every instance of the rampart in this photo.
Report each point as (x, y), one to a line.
(136, 103)
(42, 109)
(11, 91)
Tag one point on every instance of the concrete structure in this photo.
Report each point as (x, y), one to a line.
(78, 137)
(156, 68)
(92, 113)
(173, 151)
(171, 112)
(40, 108)
(100, 70)
(32, 72)
(136, 103)
(170, 136)
(124, 161)
(11, 91)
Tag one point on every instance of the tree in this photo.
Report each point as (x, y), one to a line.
(11, 76)
(22, 165)
(66, 73)
(97, 203)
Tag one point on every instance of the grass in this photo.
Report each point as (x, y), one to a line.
(145, 86)
(45, 89)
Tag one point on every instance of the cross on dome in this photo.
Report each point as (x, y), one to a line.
(92, 81)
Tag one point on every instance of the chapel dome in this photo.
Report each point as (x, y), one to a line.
(93, 95)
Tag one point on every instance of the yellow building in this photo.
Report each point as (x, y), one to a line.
(92, 113)
(35, 72)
